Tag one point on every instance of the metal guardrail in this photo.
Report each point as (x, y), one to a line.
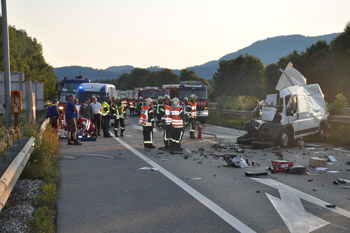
(331, 119)
(12, 173)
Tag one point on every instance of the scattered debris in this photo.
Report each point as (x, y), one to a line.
(321, 169)
(333, 172)
(186, 153)
(149, 168)
(281, 165)
(197, 178)
(331, 158)
(300, 170)
(258, 191)
(344, 186)
(251, 174)
(315, 190)
(330, 205)
(317, 162)
(310, 180)
(347, 163)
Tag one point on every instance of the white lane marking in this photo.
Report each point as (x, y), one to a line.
(292, 211)
(234, 222)
(207, 140)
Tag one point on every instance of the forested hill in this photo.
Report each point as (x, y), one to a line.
(27, 56)
(268, 51)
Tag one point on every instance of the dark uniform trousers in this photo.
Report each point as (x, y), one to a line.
(118, 122)
(148, 135)
(192, 122)
(166, 135)
(176, 137)
(97, 123)
(105, 126)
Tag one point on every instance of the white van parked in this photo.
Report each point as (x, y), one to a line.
(99, 90)
(297, 111)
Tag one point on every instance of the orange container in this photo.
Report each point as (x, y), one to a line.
(281, 165)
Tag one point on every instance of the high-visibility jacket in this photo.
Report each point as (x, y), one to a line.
(166, 115)
(146, 116)
(125, 103)
(105, 108)
(192, 109)
(131, 104)
(177, 116)
(118, 110)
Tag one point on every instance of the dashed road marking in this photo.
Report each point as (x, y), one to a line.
(234, 222)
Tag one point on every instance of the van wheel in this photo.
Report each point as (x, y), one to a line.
(284, 138)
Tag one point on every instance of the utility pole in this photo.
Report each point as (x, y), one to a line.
(7, 77)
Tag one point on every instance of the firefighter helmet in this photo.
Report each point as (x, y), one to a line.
(166, 97)
(185, 99)
(193, 96)
(160, 97)
(175, 100)
(140, 98)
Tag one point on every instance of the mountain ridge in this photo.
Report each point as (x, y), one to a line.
(268, 51)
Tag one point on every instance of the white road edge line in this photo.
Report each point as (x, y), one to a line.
(227, 217)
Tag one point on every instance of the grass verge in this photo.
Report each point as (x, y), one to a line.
(43, 165)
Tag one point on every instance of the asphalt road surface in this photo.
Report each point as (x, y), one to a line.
(103, 189)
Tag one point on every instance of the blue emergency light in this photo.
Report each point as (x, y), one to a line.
(81, 87)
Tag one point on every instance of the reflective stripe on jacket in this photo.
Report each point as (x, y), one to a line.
(144, 116)
(176, 117)
(193, 109)
(167, 114)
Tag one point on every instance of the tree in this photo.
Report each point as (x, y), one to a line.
(26, 55)
(243, 75)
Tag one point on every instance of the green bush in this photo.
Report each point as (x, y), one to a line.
(339, 105)
(339, 135)
(244, 103)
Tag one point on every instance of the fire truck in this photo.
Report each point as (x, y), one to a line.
(186, 89)
(68, 86)
(148, 92)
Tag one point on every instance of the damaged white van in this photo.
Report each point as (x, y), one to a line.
(296, 111)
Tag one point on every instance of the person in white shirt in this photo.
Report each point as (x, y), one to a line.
(96, 110)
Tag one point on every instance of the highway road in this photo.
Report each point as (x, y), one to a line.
(103, 189)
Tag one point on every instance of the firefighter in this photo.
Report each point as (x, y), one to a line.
(192, 114)
(177, 124)
(184, 106)
(139, 105)
(132, 107)
(166, 120)
(118, 115)
(106, 113)
(157, 108)
(147, 121)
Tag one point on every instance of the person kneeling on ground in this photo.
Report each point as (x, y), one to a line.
(147, 120)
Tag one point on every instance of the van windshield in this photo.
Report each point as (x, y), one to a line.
(81, 95)
(151, 93)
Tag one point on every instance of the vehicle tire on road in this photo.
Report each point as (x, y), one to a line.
(262, 144)
(285, 139)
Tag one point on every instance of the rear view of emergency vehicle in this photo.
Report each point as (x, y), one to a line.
(186, 89)
(68, 86)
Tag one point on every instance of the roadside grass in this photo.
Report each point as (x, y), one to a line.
(43, 165)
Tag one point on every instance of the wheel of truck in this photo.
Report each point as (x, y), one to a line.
(262, 144)
(284, 138)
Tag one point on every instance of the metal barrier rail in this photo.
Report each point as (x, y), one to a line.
(331, 119)
(12, 173)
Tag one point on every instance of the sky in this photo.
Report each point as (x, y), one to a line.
(170, 34)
